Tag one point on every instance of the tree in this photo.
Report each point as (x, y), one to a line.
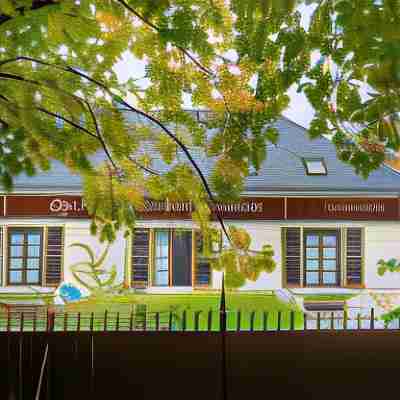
(237, 58)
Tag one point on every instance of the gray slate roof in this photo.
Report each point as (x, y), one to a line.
(283, 172)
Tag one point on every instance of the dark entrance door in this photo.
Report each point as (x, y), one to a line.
(182, 258)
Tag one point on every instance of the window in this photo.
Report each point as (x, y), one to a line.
(25, 247)
(315, 166)
(161, 258)
(321, 258)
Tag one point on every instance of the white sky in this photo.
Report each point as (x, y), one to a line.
(299, 110)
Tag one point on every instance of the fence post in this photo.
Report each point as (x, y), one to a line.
(78, 322)
(372, 319)
(91, 323)
(265, 320)
(279, 320)
(292, 315)
(252, 318)
(170, 321)
(50, 320)
(318, 321)
(209, 320)
(21, 321)
(131, 321)
(8, 320)
(196, 320)
(305, 321)
(105, 320)
(66, 321)
(238, 320)
(184, 320)
(344, 319)
(157, 317)
(117, 322)
(358, 321)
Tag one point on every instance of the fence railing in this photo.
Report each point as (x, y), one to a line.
(189, 320)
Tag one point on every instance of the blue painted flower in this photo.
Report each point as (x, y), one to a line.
(69, 292)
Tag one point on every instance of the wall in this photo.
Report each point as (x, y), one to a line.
(78, 232)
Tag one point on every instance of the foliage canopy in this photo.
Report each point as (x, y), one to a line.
(237, 58)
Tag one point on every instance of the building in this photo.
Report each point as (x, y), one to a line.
(328, 227)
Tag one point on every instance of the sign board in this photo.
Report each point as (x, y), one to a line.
(379, 209)
(247, 208)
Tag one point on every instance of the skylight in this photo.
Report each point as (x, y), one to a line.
(315, 166)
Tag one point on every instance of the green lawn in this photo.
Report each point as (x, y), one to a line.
(205, 304)
(118, 310)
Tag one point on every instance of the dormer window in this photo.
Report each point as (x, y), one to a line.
(315, 166)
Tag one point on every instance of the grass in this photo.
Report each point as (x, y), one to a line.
(205, 304)
(183, 308)
(328, 297)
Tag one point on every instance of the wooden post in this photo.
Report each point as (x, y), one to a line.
(318, 321)
(332, 320)
(358, 321)
(131, 321)
(344, 319)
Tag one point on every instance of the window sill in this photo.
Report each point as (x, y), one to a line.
(27, 290)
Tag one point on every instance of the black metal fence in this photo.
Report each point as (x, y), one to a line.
(49, 320)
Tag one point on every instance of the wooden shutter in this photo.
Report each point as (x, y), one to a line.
(1, 255)
(203, 269)
(292, 256)
(140, 258)
(54, 255)
(354, 256)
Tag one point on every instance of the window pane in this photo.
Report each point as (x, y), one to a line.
(329, 241)
(315, 167)
(16, 251)
(329, 278)
(312, 252)
(312, 240)
(17, 238)
(330, 265)
(32, 276)
(34, 251)
(161, 278)
(330, 252)
(312, 278)
(15, 276)
(16, 263)
(32, 263)
(33, 238)
(161, 258)
(312, 264)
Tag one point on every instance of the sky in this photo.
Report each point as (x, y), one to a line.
(299, 110)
